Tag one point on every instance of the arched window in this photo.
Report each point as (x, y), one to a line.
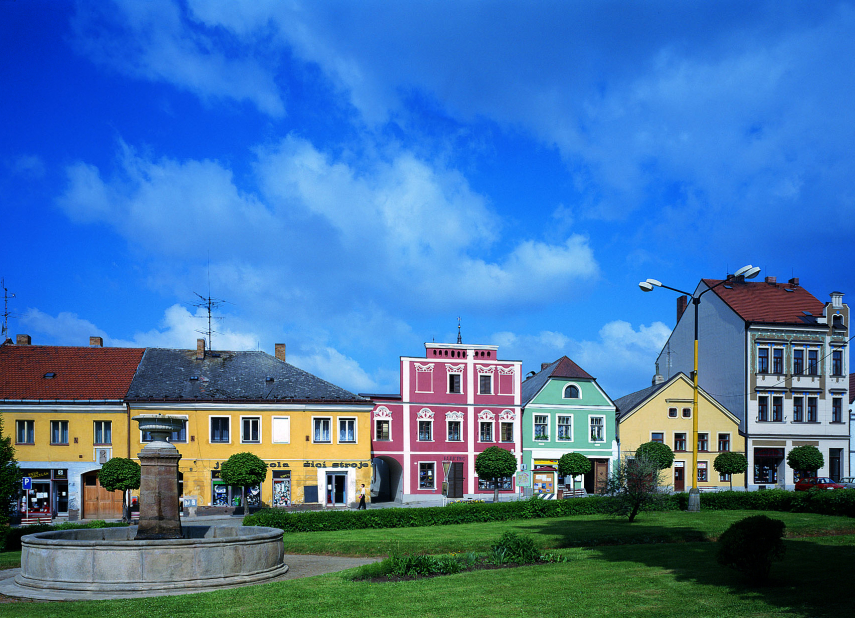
(571, 391)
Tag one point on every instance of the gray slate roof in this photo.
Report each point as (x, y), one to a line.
(166, 375)
(562, 368)
(628, 403)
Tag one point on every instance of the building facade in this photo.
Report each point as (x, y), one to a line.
(777, 358)
(313, 435)
(566, 411)
(663, 413)
(65, 410)
(455, 402)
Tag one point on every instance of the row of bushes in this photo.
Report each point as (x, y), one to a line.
(10, 538)
(841, 502)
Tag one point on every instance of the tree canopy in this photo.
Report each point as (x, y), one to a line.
(805, 458)
(730, 463)
(10, 476)
(635, 483)
(243, 469)
(493, 464)
(658, 452)
(573, 464)
(120, 474)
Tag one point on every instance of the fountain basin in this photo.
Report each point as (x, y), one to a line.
(111, 560)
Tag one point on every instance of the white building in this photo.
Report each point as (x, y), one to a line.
(778, 359)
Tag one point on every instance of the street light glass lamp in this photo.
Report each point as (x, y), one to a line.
(645, 287)
(751, 273)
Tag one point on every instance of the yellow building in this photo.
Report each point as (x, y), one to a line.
(314, 436)
(663, 413)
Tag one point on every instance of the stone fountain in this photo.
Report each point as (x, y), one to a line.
(157, 557)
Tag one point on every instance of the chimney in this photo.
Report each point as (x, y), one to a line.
(96, 342)
(658, 378)
(280, 351)
(772, 280)
(543, 366)
(24, 340)
(200, 349)
(794, 282)
(682, 303)
(836, 301)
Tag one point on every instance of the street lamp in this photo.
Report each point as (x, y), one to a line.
(746, 272)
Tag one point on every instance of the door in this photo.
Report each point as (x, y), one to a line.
(98, 503)
(336, 493)
(601, 471)
(455, 480)
(679, 476)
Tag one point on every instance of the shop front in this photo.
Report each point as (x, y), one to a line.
(48, 495)
(767, 462)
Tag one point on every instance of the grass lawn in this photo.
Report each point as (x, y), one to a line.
(660, 579)
(10, 560)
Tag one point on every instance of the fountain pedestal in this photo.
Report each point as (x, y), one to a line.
(159, 510)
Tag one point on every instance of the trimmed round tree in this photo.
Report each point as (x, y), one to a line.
(657, 452)
(805, 459)
(10, 477)
(493, 464)
(120, 474)
(573, 464)
(730, 463)
(245, 470)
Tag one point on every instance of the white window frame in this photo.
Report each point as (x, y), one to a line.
(768, 349)
(211, 418)
(489, 376)
(53, 423)
(602, 417)
(534, 425)
(491, 425)
(558, 425)
(651, 436)
(315, 420)
(451, 370)
(419, 475)
(29, 430)
(383, 420)
(718, 442)
(353, 420)
(273, 420)
(419, 429)
(459, 433)
(243, 440)
(676, 412)
(772, 361)
(703, 465)
(511, 423)
(567, 387)
(103, 423)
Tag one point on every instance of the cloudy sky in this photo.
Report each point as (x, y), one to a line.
(352, 177)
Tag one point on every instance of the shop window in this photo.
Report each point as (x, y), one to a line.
(486, 432)
(798, 409)
(250, 430)
(454, 434)
(219, 430)
(702, 472)
(381, 430)
(485, 384)
(703, 441)
(505, 484)
(103, 432)
(506, 432)
(541, 427)
(565, 428)
(322, 430)
(281, 426)
(679, 441)
(425, 431)
(598, 428)
(426, 475)
(59, 432)
(347, 430)
(25, 432)
(723, 442)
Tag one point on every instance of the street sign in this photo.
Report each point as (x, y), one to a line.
(26, 482)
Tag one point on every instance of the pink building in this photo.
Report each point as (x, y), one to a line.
(455, 402)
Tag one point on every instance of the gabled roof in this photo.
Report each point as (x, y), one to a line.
(176, 375)
(776, 303)
(562, 368)
(630, 403)
(78, 373)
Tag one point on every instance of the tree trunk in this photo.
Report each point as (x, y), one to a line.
(496, 490)
(126, 515)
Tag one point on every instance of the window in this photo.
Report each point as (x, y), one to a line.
(798, 409)
(565, 427)
(657, 437)
(25, 432)
(504, 482)
(426, 475)
(672, 412)
(679, 441)
(837, 363)
(381, 430)
(571, 391)
(486, 432)
(778, 361)
(541, 427)
(813, 362)
(281, 429)
(103, 432)
(798, 362)
(59, 432)
(763, 360)
(837, 410)
(454, 434)
(597, 429)
(506, 432)
(485, 384)
(723, 477)
(702, 472)
(425, 431)
(250, 430)
(723, 443)
(777, 409)
(687, 413)
(703, 441)
(454, 383)
(323, 430)
(220, 429)
(762, 408)
(346, 430)
(175, 436)
(811, 412)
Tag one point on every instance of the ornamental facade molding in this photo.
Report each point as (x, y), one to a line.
(505, 371)
(486, 415)
(488, 369)
(383, 413)
(508, 415)
(454, 415)
(454, 368)
(424, 368)
(425, 414)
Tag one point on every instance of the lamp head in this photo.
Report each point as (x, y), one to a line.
(645, 286)
(751, 273)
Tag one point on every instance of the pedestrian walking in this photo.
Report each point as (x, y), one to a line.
(362, 498)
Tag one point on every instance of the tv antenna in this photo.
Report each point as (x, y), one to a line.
(4, 330)
(209, 304)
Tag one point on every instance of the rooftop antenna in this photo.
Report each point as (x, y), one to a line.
(459, 336)
(209, 304)
(6, 315)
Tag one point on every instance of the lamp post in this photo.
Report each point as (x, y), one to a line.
(746, 272)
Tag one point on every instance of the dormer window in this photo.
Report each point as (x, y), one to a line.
(571, 391)
(50, 375)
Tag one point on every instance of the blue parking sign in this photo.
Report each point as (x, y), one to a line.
(26, 482)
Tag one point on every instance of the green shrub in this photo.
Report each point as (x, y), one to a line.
(13, 535)
(750, 545)
(512, 547)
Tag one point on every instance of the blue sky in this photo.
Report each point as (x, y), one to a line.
(355, 176)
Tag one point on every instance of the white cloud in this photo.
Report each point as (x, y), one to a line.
(335, 367)
(63, 329)
(28, 166)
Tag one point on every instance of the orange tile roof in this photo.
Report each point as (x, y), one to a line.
(779, 303)
(80, 373)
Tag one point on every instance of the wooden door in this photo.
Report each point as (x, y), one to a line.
(601, 474)
(679, 478)
(98, 503)
(455, 480)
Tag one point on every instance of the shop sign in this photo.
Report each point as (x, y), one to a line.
(272, 464)
(768, 452)
(60, 474)
(36, 474)
(319, 464)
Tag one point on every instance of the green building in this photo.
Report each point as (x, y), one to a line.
(566, 411)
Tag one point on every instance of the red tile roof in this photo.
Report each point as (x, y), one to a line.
(568, 369)
(81, 373)
(780, 303)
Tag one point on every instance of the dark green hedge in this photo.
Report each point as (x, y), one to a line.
(837, 502)
(10, 538)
